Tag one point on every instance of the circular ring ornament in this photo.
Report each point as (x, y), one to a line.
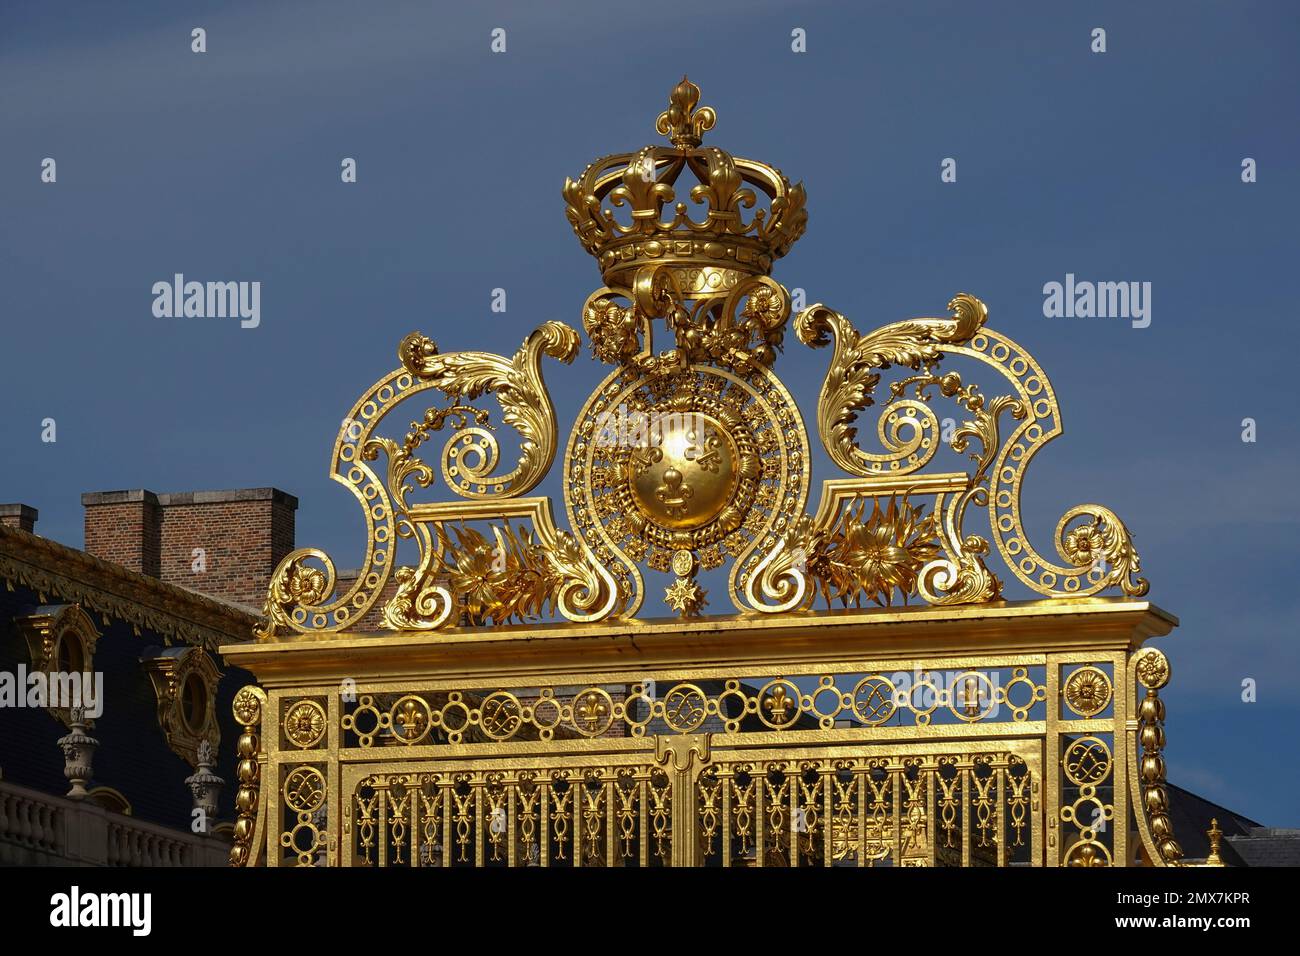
(701, 460)
(638, 710)
(873, 699)
(776, 700)
(304, 724)
(1086, 761)
(1088, 691)
(546, 714)
(454, 716)
(500, 715)
(740, 704)
(907, 697)
(304, 789)
(291, 839)
(1037, 693)
(410, 718)
(366, 710)
(685, 707)
(826, 695)
(593, 712)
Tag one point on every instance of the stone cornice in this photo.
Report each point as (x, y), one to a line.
(54, 571)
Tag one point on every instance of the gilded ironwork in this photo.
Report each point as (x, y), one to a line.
(1152, 669)
(525, 714)
(247, 707)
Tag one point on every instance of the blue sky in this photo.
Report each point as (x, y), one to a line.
(1116, 166)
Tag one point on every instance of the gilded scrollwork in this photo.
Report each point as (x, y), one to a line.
(525, 405)
(856, 362)
(297, 598)
(1092, 539)
(692, 445)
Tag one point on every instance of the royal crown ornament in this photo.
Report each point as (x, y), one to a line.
(709, 252)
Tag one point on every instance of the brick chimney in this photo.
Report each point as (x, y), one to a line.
(223, 543)
(22, 517)
(123, 527)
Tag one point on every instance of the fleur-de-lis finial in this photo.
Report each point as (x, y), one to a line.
(682, 123)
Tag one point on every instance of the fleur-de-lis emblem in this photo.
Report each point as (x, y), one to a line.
(777, 703)
(674, 492)
(705, 456)
(682, 123)
(592, 710)
(411, 719)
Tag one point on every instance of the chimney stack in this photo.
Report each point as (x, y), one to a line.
(22, 517)
(222, 543)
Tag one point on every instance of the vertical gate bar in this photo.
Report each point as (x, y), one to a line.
(760, 826)
(966, 774)
(1001, 833)
(931, 821)
(1035, 792)
(1121, 742)
(643, 821)
(726, 816)
(1052, 769)
(414, 796)
(611, 844)
(828, 825)
(793, 782)
(512, 850)
(270, 798)
(898, 815)
(862, 816)
(271, 802)
(545, 839)
(333, 770)
(478, 821)
(445, 796)
(347, 836)
(575, 794)
(382, 790)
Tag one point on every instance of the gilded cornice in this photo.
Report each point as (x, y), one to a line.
(918, 633)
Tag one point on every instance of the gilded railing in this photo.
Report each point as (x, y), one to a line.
(991, 760)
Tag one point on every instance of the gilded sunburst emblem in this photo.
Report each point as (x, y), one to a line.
(304, 724)
(1088, 691)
